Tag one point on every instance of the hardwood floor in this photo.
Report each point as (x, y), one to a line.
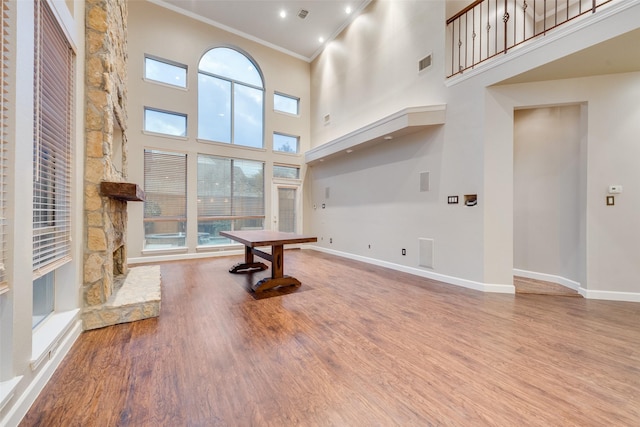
(525, 285)
(356, 345)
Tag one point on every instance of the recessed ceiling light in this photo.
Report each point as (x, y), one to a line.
(388, 137)
(283, 14)
(321, 39)
(347, 10)
(349, 151)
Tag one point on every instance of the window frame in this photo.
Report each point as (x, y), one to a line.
(167, 112)
(297, 142)
(232, 104)
(178, 219)
(278, 165)
(284, 95)
(166, 62)
(232, 196)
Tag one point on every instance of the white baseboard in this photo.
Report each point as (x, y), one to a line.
(26, 399)
(587, 293)
(470, 284)
(612, 295)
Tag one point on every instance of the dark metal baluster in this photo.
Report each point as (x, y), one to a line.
(453, 49)
(473, 37)
(505, 19)
(496, 30)
(524, 20)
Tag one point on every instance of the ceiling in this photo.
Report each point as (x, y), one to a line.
(618, 55)
(260, 20)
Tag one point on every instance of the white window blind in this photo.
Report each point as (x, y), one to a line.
(53, 104)
(165, 205)
(4, 119)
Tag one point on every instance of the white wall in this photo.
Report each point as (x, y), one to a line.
(612, 232)
(365, 76)
(169, 35)
(25, 361)
(371, 70)
(548, 190)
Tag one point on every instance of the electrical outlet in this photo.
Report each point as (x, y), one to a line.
(330, 239)
(615, 189)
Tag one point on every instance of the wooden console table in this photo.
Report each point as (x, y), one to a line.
(251, 239)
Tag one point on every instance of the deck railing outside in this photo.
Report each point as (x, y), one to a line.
(487, 28)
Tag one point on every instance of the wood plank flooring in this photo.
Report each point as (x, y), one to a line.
(356, 345)
(525, 285)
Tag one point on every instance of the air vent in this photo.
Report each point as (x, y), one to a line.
(302, 13)
(424, 63)
(426, 252)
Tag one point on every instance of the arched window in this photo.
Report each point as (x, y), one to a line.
(230, 98)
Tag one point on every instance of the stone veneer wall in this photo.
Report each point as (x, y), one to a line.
(105, 151)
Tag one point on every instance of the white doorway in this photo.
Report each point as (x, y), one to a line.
(549, 198)
(286, 207)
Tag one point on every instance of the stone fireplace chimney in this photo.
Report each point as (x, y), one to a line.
(105, 206)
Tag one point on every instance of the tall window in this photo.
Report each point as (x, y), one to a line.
(53, 104)
(230, 197)
(165, 205)
(4, 142)
(230, 98)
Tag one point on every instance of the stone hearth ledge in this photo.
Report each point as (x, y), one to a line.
(138, 298)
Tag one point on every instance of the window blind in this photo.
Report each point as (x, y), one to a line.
(4, 123)
(165, 185)
(53, 105)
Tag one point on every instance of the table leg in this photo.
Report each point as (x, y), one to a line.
(277, 279)
(249, 265)
(277, 263)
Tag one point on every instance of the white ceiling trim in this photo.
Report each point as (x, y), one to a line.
(228, 29)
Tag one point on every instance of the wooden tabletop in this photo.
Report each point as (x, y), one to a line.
(253, 238)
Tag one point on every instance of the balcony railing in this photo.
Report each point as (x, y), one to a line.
(487, 28)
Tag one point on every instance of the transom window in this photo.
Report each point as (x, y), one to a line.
(286, 104)
(289, 172)
(285, 143)
(230, 98)
(164, 71)
(165, 122)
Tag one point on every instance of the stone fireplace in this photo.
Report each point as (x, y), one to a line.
(106, 192)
